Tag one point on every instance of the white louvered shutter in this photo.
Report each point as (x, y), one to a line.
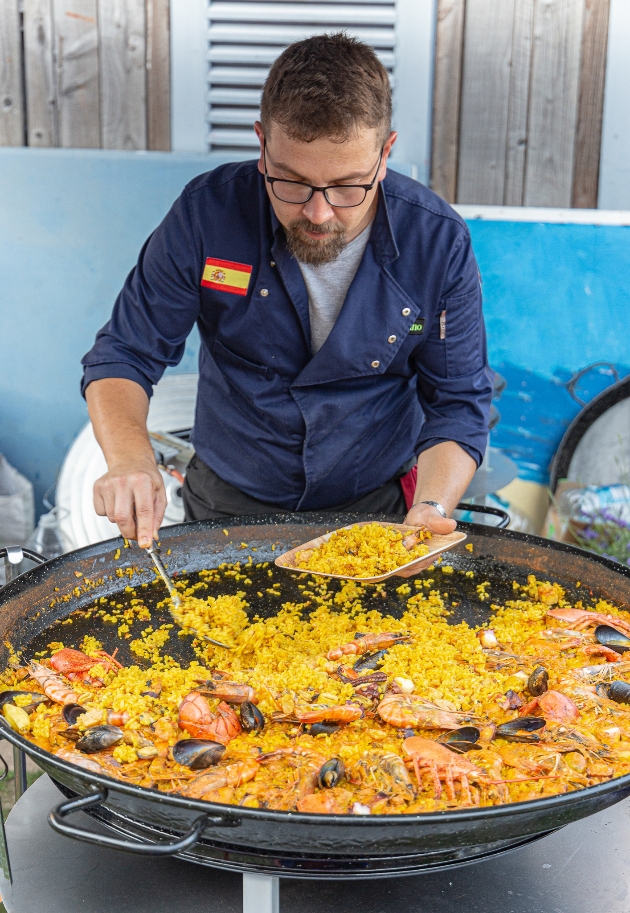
(241, 39)
(245, 38)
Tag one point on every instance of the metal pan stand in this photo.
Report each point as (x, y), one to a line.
(583, 868)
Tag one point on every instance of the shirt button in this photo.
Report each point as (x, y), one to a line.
(391, 339)
(264, 292)
(375, 364)
(273, 263)
(406, 312)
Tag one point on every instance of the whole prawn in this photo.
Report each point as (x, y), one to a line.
(367, 642)
(52, 684)
(411, 710)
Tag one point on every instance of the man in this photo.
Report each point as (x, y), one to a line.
(339, 310)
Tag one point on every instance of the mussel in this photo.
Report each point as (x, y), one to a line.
(538, 681)
(369, 661)
(522, 729)
(8, 697)
(252, 719)
(326, 727)
(461, 740)
(331, 773)
(72, 712)
(197, 753)
(97, 738)
(608, 637)
(620, 692)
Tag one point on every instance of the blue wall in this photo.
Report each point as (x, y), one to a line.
(72, 222)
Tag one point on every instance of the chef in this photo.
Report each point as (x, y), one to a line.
(342, 362)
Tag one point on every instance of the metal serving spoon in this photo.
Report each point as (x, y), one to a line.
(176, 599)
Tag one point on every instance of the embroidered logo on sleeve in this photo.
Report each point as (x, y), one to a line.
(226, 276)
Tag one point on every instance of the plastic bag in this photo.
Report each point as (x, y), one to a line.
(17, 506)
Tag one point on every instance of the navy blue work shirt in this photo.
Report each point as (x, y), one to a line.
(403, 368)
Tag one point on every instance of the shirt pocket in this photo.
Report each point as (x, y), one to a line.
(463, 334)
(222, 354)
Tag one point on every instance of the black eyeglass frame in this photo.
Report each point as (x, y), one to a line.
(365, 187)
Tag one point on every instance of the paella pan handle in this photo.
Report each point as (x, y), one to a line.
(168, 848)
(13, 555)
(482, 509)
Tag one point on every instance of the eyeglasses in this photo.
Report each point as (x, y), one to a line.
(342, 196)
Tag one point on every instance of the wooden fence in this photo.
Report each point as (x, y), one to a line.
(518, 101)
(517, 104)
(85, 73)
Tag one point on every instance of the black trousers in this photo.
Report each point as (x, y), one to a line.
(208, 497)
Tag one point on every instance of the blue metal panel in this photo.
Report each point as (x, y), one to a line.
(555, 295)
(71, 225)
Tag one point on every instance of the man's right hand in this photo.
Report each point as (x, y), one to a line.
(134, 498)
(131, 494)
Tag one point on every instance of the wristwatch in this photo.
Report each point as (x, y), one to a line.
(437, 506)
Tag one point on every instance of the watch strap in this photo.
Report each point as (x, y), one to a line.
(437, 506)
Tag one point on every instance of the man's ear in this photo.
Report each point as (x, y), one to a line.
(261, 139)
(387, 148)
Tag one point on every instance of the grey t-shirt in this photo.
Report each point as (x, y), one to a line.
(327, 286)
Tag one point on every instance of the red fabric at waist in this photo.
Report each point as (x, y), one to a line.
(408, 485)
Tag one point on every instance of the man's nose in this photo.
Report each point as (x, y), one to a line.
(318, 209)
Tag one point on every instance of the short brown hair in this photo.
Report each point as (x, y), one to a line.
(327, 85)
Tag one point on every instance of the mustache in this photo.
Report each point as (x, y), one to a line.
(325, 228)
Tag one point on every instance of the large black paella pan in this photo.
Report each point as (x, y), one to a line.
(277, 841)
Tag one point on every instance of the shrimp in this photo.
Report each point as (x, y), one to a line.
(442, 764)
(230, 692)
(76, 757)
(344, 713)
(308, 764)
(232, 775)
(584, 619)
(363, 643)
(600, 650)
(383, 770)
(197, 719)
(52, 684)
(553, 705)
(334, 801)
(410, 710)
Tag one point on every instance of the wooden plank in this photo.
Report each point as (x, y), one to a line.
(553, 102)
(590, 104)
(158, 75)
(76, 56)
(122, 74)
(11, 93)
(447, 79)
(485, 99)
(41, 114)
(518, 104)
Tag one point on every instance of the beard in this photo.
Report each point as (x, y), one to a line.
(310, 251)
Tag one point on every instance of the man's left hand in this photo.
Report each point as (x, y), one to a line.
(426, 515)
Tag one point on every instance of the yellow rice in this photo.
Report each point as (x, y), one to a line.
(362, 551)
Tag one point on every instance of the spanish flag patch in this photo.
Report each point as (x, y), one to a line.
(226, 276)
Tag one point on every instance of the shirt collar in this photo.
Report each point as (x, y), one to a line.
(381, 237)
